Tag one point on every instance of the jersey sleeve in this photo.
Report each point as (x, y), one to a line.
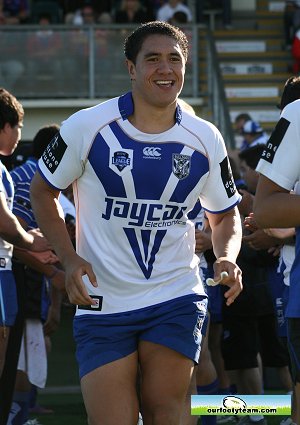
(63, 160)
(219, 193)
(280, 159)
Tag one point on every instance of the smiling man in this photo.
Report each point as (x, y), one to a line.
(138, 164)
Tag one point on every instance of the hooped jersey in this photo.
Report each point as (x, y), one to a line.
(7, 188)
(280, 162)
(133, 192)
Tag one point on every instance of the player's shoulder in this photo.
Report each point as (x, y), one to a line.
(96, 115)
(200, 127)
(89, 121)
(292, 110)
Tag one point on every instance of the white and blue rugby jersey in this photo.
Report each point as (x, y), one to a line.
(197, 216)
(7, 188)
(133, 192)
(22, 176)
(281, 163)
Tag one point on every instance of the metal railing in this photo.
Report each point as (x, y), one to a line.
(216, 93)
(87, 62)
(67, 61)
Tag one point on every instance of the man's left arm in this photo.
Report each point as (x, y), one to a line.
(226, 238)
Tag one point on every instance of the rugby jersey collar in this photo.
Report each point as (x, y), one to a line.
(126, 108)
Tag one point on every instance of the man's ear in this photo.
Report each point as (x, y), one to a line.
(7, 127)
(131, 69)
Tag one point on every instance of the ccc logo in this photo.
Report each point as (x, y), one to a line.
(151, 151)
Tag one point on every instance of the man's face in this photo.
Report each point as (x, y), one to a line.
(249, 175)
(158, 74)
(9, 138)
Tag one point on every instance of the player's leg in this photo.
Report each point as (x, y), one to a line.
(106, 351)
(8, 311)
(294, 349)
(166, 376)
(168, 350)
(4, 334)
(109, 393)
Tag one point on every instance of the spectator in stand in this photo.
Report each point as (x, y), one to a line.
(43, 49)
(166, 11)
(240, 120)
(291, 21)
(86, 15)
(11, 67)
(225, 5)
(253, 135)
(132, 11)
(14, 12)
(70, 7)
(296, 52)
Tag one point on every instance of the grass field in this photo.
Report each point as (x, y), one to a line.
(66, 400)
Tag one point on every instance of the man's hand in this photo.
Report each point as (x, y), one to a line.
(260, 240)
(233, 280)
(45, 257)
(39, 243)
(203, 241)
(75, 268)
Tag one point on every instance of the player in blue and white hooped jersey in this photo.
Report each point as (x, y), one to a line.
(11, 232)
(138, 164)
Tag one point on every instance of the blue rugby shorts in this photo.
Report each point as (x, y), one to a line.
(176, 324)
(9, 302)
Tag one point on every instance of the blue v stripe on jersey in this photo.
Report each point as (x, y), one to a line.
(112, 183)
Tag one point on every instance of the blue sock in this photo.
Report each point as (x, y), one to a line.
(208, 390)
(224, 391)
(19, 409)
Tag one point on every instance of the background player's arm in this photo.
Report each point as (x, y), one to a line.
(49, 216)
(12, 231)
(275, 206)
(226, 238)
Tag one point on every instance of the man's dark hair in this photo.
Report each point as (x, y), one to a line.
(291, 91)
(42, 139)
(11, 110)
(243, 116)
(135, 40)
(252, 155)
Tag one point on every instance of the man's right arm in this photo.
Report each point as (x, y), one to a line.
(48, 213)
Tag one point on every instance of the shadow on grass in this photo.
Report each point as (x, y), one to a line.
(68, 409)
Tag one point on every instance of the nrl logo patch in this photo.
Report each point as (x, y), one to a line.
(121, 160)
(181, 165)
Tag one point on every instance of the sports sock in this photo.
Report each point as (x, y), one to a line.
(209, 389)
(19, 409)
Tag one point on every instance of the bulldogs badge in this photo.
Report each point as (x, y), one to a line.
(181, 165)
